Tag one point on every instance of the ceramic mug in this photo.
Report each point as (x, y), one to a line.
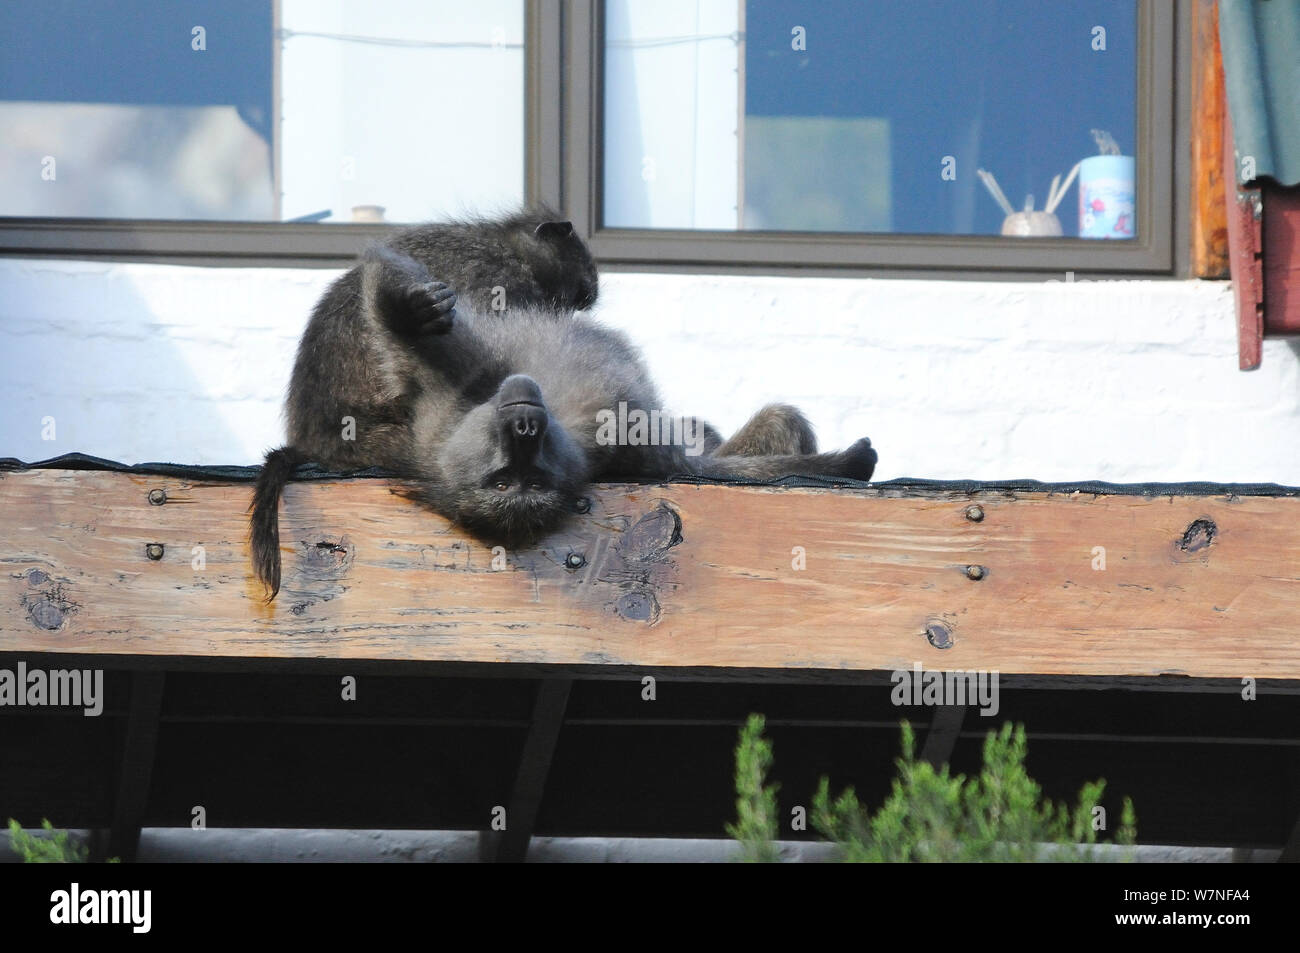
(1107, 197)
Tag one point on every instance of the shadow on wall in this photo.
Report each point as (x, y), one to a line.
(145, 363)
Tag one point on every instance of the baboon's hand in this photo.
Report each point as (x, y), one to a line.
(431, 306)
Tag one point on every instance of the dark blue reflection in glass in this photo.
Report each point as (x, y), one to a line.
(850, 134)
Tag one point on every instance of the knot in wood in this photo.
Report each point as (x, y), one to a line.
(939, 635)
(1199, 535)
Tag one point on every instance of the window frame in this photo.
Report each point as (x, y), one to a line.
(563, 110)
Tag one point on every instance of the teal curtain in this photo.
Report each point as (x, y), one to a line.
(1261, 68)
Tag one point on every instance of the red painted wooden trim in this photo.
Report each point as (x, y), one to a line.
(1245, 250)
(1281, 259)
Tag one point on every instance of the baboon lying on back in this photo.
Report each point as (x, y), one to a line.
(501, 418)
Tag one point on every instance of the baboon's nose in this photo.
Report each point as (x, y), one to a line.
(522, 426)
(522, 417)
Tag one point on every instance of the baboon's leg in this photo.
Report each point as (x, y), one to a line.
(858, 462)
(776, 430)
(712, 439)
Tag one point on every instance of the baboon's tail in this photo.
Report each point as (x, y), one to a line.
(265, 521)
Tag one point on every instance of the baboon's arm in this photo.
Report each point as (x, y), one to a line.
(403, 296)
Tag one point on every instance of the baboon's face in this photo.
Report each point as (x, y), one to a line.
(568, 272)
(510, 471)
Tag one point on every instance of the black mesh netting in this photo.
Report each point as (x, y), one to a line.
(311, 471)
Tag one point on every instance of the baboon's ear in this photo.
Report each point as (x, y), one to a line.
(554, 230)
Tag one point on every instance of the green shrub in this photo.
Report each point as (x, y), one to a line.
(755, 827)
(53, 849)
(930, 815)
(56, 848)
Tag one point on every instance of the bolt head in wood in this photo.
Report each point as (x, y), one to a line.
(157, 497)
(975, 572)
(975, 513)
(582, 505)
(154, 551)
(575, 561)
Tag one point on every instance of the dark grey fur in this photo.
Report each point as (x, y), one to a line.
(497, 418)
(529, 259)
(775, 430)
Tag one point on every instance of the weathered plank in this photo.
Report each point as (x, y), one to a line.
(663, 576)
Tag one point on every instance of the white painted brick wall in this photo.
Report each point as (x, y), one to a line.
(1131, 380)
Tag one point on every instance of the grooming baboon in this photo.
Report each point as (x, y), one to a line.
(498, 419)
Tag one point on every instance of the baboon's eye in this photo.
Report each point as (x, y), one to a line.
(502, 485)
(534, 484)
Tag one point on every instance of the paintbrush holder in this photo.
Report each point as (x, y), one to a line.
(1032, 225)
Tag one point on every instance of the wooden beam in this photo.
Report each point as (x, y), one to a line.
(1291, 849)
(945, 729)
(1209, 210)
(1289, 802)
(511, 845)
(137, 764)
(663, 577)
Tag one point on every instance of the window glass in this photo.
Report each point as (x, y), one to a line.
(355, 110)
(940, 117)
